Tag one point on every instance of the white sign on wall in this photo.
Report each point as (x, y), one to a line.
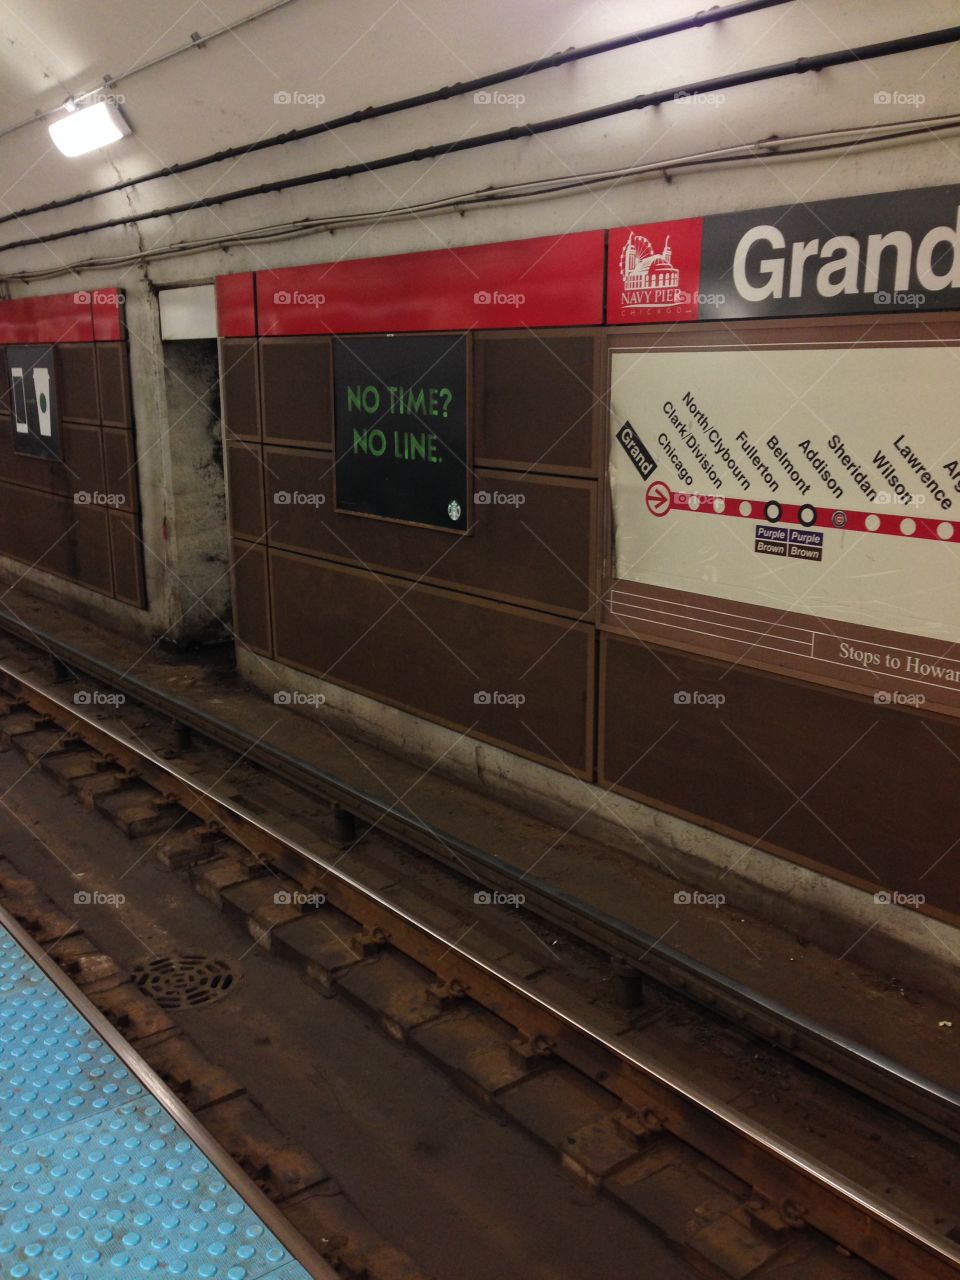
(817, 481)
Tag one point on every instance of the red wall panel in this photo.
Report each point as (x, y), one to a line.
(547, 281)
(62, 317)
(236, 311)
(106, 306)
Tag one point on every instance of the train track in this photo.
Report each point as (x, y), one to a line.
(283, 1182)
(364, 860)
(632, 949)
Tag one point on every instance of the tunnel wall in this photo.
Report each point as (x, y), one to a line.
(669, 161)
(796, 763)
(413, 616)
(76, 515)
(272, 85)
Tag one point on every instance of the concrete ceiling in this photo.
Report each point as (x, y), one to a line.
(312, 60)
(330, 56)
(52, 49)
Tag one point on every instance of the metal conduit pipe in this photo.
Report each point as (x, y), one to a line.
(756, 75)
(760, 151)
(703, 18)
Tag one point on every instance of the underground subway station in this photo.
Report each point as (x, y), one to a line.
(480, 640)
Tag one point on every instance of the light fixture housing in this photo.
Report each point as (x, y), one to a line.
(85, 129)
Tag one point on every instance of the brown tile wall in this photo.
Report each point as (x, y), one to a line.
(41, 523)
(422, 620)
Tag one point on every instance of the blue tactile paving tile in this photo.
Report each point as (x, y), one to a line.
(96, 1178)
(54, 1068)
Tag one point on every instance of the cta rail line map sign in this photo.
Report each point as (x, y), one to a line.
(797, 507)
(401, 428)
(33, 400)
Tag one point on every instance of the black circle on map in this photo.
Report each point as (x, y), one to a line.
(807, 515)
(773, 511)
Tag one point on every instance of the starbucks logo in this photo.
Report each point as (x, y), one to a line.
(454, 510)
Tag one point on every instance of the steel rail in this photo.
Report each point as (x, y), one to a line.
(940, 1253)
(874, 1073)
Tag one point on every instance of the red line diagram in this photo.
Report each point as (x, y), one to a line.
(661, 500)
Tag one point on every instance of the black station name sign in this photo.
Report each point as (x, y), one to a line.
(895, 251)
(402, 442)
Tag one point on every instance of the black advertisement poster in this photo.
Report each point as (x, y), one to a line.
(400, 407)
(33, 401)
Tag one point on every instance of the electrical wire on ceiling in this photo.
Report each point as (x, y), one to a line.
(761, 151)
(445, 93)
(659, 97)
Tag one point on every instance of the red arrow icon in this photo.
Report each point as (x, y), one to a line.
(659, 498)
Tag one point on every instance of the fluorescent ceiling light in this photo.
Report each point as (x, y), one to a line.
(85, 129)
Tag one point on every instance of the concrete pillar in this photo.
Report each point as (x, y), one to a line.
(176, 403)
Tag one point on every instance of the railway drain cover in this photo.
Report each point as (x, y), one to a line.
(184, 981)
